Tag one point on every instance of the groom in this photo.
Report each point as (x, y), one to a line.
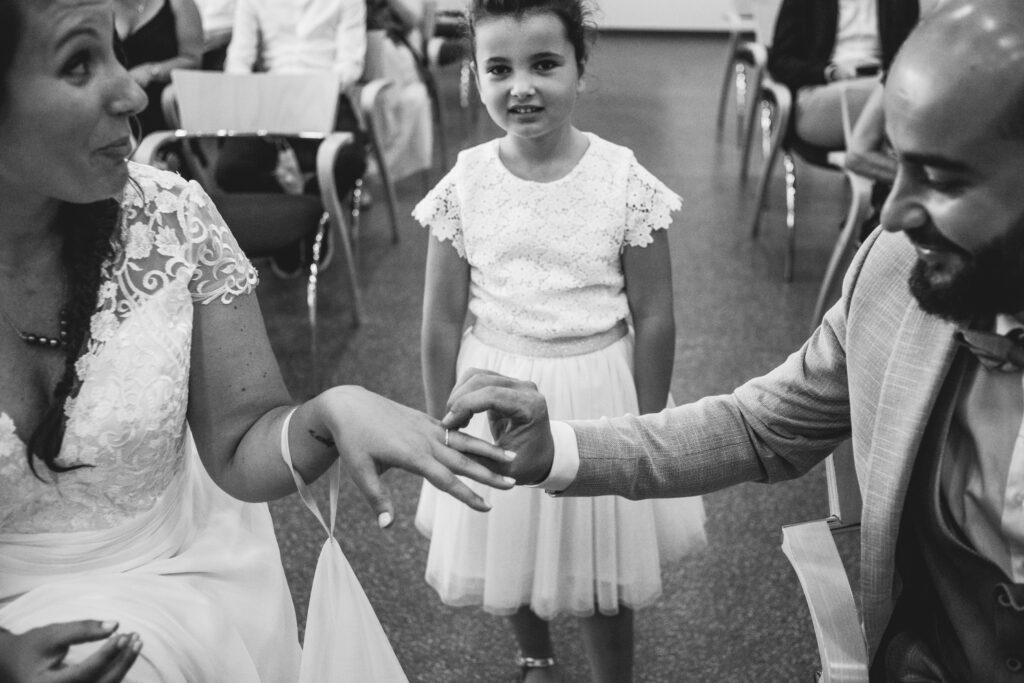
(936, 432)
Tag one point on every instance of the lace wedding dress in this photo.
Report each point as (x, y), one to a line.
(142, 535)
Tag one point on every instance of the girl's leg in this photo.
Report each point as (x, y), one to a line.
(534, 639)
(608, 641)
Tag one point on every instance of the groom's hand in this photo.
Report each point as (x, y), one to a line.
(518, 415)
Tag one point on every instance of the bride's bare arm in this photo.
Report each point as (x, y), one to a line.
(238, 403)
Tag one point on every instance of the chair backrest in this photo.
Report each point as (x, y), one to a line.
(212, 103)
(765, 12)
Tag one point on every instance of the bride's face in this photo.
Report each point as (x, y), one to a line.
(65, 105)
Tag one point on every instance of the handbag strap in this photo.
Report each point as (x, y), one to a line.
(334, 474)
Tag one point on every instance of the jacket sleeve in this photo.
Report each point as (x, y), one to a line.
(796, 57)
(772, 428)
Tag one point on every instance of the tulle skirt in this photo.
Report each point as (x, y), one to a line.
(557, 555)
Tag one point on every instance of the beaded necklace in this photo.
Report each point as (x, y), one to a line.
(41, 340)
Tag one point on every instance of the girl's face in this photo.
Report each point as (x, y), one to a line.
(64, 126)
(527, 74)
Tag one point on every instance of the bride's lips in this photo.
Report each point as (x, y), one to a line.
(119, 149)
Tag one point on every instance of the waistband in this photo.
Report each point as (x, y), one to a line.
(552, 348)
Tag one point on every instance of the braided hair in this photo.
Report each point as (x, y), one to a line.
(86, 231)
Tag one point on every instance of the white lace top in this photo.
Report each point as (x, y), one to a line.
(128, 420)
(545, 257)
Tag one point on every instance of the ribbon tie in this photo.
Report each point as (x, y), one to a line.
(995, 351)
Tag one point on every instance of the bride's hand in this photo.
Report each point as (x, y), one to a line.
(37, 656)
(373, 434)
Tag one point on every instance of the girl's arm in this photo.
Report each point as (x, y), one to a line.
(445, 298)
(238, 404)
(648, 273)
(188, 27)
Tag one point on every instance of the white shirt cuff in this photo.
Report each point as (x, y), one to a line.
(566, 461)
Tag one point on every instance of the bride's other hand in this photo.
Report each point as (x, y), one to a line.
(373, 434)
(37, 656)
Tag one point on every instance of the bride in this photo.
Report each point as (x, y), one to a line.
(138, 390)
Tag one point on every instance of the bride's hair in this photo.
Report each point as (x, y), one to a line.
(86, 230)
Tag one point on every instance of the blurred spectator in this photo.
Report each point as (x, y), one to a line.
(295, 36)
(218, 18)
(408, 134)
(822, 47)
(158, 36)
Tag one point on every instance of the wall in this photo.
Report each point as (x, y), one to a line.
(663, 15)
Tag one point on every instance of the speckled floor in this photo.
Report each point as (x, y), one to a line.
(732, 613)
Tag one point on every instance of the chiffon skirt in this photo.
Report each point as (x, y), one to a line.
(557, 555)
(199, 577)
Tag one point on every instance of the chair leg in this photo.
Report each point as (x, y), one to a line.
(311, 302)
(772, 151)
(742, 92)
(727, 81)
(356, 213)
(753, 117)
(860, 207)
(789, 164)
(385, 179)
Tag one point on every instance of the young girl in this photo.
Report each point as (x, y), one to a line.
(555, 241)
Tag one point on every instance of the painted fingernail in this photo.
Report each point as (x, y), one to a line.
(509, 480)
(121, 641)
(108, 625)
(448, 418)
(136, 643)
(384, 520)
(509, 455)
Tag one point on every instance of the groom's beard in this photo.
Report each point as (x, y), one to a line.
(968, 286)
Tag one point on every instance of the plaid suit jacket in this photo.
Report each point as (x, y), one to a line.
(873, 369)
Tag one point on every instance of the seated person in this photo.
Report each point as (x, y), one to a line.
(275, 36)
(408, 133)
(156, 37)
(218, 18)
(822, 47)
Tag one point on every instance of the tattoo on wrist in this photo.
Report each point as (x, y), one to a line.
(325, 440)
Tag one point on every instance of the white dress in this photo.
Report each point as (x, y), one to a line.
(143, 536)
(547, 294)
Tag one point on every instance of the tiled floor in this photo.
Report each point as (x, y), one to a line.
(733, 613)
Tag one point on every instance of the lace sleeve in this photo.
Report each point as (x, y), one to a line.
(222, 270)
(440, 211)
(649, 205)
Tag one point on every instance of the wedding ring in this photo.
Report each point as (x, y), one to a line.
(446, 438)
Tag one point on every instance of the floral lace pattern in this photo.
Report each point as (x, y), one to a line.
(545, 257)
(127, 422)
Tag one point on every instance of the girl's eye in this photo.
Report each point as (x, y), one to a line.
(547, 65)
(497, 70)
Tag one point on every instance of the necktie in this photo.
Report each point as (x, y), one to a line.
(995, 351)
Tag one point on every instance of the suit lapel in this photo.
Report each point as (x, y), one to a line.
(922, 354)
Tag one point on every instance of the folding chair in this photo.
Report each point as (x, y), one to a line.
(811, 550)
(210, 106)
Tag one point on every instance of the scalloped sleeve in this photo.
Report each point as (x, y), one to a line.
(440, 211)
(222, 271)
(649, 206)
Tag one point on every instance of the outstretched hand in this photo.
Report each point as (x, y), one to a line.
(518, 416)
(37, 656)
(373, 434)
